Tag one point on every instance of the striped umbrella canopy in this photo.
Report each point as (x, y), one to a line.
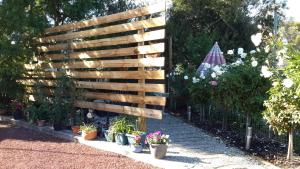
(213, 58)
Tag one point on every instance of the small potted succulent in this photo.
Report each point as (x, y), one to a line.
(158, 144)
(136, 145)
(88, 131)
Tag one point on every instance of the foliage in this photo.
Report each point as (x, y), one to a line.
(63, 99)
(157, 138)
(283, 105)
(20, 21)
(88, 128)
(122, 125)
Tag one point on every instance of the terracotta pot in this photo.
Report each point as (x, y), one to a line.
(75, 129)
(89, 136)
(158, 151)
(41, 123)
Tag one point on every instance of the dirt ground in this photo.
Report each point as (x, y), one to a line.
(24, 149)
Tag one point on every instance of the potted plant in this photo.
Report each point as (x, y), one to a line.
(62, 102)
(136, 145)
(120, 127)
(88, 131)
(109, 134)
(77, 119)
(132, 136)
(17, 109)
(158, 144)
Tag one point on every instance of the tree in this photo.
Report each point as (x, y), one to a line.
(283, 105)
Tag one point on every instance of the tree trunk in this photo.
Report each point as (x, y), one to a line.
(247, 122)
(290, 145)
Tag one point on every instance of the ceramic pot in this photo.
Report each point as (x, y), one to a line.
(131, 140)
(41, 123)
(158, 151)
(121, 139)
(17, 115)
(110, 137)
(89, 136)
(75, 129)
(136, 148)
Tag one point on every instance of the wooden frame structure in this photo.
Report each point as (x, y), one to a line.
(116, 58)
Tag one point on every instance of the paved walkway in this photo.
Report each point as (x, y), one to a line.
(191, 148)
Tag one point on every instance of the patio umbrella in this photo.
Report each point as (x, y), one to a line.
(213, 58)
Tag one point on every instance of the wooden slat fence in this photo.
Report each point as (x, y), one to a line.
(117, 58)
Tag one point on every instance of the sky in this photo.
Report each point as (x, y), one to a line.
(294, 9)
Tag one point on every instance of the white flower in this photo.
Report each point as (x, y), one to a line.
(275, 84)
(257, 49)
(243, 55)
(167, 75)
(254, 63)
(252, 51)
(202, 76)
(265, 72)
(213, 75)
(256, 39)
(230, 52)
(218, 70)
(267, 49)
(207, 65)
(186, 77)
(240, 51)
(13, 42)
(270, 34)
(195, 80)
(259, 27)
(287, 83)
(280, 62)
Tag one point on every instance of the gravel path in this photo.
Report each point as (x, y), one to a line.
(193, 148)
(25, 149)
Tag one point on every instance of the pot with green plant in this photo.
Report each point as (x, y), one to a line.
(120, 127)
(158, 144)
(62, 101)
(88, 131)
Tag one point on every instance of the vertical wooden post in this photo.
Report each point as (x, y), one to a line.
(170, 69)
(142, 120)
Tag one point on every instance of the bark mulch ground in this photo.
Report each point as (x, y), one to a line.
(22, 148)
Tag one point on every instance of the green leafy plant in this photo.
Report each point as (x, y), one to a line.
(88, 128)
(63, 100)
(122, 125)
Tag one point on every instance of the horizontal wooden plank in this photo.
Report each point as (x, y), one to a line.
(147, 49)
(124, 63)
(144, 24)
(156, 74)
(147, 36)
(127, 98)
(144, 112)
(153, 100)
(159, 88)
(160, 7)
